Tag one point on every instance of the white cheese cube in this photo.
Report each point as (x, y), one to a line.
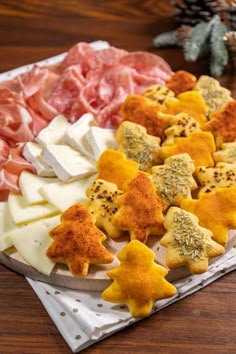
(101, 139)
(22, 212)
(75, 135)
(67, 163)
(63, 195)
(30, 184)
(54, 132)
(32, 242)
(32, 152)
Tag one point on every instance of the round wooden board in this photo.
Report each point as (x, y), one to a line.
(97, 279)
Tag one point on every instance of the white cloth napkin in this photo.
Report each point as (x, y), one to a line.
(83, 318)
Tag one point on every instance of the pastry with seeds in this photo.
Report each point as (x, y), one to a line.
(215, 96)
(77, 242)
(141, 110)
(199, 145)
(158, 93)
(187, 243)
(223, 175)
(102, 204)
(226, 154)
(181, 81)
(181, 126)
(113, 166)
(138, 146)
(223, 124)
(190, 102)
(140, 209)
(138, 281)
(174, 180)
(216, 211)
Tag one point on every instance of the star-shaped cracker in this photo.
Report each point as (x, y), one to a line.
(140, 211)
(190, 102)
(113, 166)
(138, 281)
(141, 110)
(187, 243)
(138, 146)
(215, 96)
(77, 242)
(226, 154)
(102, 204)
(199, 145)
(181, 81)
(174, 180)
(181, 126)
(158, 93)
(223, 175)
(223, 124)
(215, 211)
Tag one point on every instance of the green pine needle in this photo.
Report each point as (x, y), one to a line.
(165, 40)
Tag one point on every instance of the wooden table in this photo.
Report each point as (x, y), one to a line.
(34, 30)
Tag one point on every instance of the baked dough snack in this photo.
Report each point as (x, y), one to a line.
(181, 126)
(215, 96)
(140, 211)
(181, 81)
(138, 146)
(141, 110)
(190, 102)
(187, 243)
(223, 175)
(138, 281)
(226, 154)
(174, 180)
(113, 166)
(199, 145)
(223, 124)
(158, 93)
(77, 242)
(215, 211)
(102, 204)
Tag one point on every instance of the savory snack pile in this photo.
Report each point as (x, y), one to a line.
(167, 170)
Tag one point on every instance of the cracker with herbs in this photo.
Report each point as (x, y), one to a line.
(227, 153)
(187, 243)
(158, 93)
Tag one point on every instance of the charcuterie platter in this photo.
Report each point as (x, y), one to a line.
(107, 134)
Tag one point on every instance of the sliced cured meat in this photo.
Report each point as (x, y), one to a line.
(110, 56)
(15, 162)
(8, 182)
(33, 80)
(4, 151)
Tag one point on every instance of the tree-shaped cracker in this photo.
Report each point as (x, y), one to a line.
(138, 280)
(215, 211)
(140, 211)
(187, 243)
(77, 242)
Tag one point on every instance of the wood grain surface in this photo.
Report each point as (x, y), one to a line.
(204, 322)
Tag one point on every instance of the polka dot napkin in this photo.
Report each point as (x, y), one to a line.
(83, 318)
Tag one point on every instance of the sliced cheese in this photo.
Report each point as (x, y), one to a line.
(101, 139)
(63, 195)
(67, 163)
(54, 132)
(30, 184)
(32, 152)
(6, 225)
(76, 134)
(22, 212)
(32, 241)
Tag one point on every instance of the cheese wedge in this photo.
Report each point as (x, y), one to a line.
(101, 139)
(75, 135)
(63, 195)
(32, 241)
(30, 184)
(6, 225)
(32, 152)
(22, 212)
(67, 163)
(54, 132)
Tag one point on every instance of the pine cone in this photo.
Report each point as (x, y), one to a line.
(191, 12)
(230, 40)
